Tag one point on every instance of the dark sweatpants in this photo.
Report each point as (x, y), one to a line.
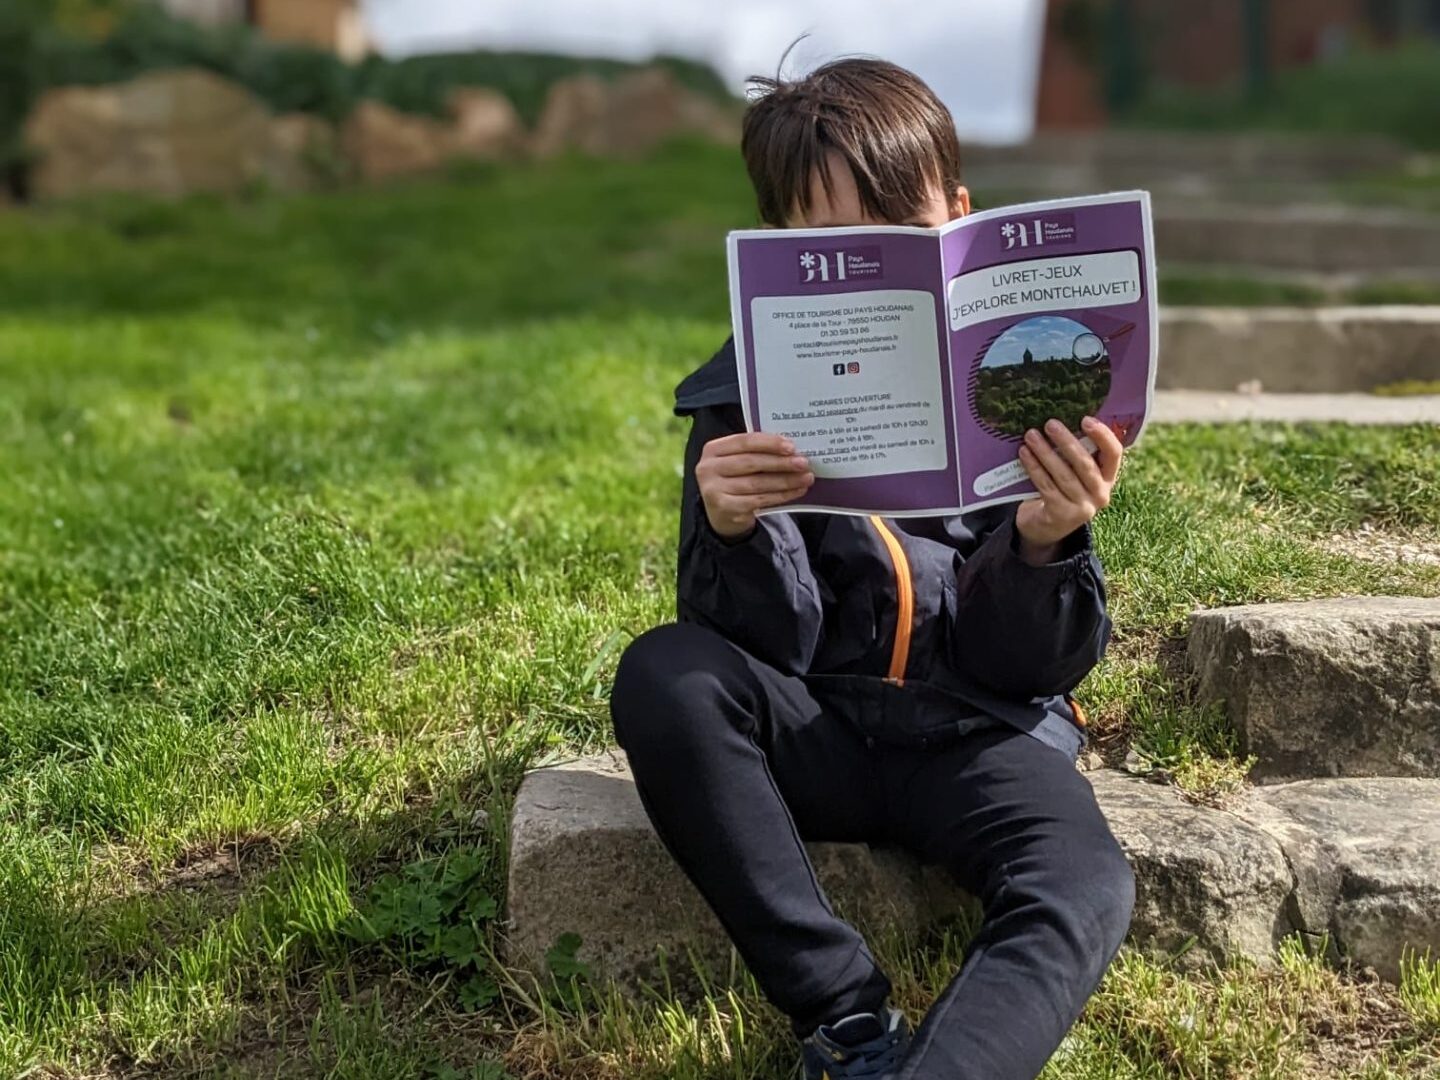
(736, 763)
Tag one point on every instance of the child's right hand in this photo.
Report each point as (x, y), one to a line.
(742, 473)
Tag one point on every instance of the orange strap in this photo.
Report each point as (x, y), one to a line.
(906, 593)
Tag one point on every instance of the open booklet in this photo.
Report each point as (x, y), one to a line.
(907, 364)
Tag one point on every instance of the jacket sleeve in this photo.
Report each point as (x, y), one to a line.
(759, 592)
(1027, 631)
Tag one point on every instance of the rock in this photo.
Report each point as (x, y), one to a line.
(627, 117)
(1199, 872)
(1306, 350)
(168, 133)
(381, 142)
(584, 859)
(486, 125)
(1347, 687)
(1366, 860)
(573, 117)
(304, 152)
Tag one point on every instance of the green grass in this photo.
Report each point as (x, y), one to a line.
(1389, 92)
(321, 519)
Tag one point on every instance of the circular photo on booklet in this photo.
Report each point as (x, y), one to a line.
(1048, 366)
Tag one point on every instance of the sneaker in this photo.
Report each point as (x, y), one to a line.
(864, 1045)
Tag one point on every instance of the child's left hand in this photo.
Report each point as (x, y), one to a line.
(1073, 485)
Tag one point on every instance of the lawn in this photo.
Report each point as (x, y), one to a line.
(321, 519)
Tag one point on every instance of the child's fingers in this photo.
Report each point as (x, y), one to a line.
(1065, 479)
(750, 464)
(1109, 446)
(760, 483)
(750, 442)
(777, 498)
(1081, 461)
(1038, 476)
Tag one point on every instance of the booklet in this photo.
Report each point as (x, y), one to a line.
(907, 364)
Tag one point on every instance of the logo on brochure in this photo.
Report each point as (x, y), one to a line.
(852, 368)
(845, 264)
(1039, 232)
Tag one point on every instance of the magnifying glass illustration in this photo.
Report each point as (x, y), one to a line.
(1090, 348)
(1087, 349)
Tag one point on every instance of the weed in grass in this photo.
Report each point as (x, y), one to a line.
(1420, 988)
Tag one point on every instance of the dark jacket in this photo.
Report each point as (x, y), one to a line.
(820, 595)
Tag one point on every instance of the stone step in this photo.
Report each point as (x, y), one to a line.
(1215, 407)
(1357, 858)
(1097, 160)
(1310, 350)
(1303, 237)
(1366, 859)
(1320, 688)
(584, 859)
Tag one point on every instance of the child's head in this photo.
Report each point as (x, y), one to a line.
(856, 142)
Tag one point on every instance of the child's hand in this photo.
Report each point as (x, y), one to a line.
(1073, 486)
(739, 474)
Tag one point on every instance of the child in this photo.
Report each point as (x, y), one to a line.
(900, 682)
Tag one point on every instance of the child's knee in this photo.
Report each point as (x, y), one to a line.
(663, 674)
(1111, 889)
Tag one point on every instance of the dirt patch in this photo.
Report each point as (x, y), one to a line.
(221, 868)
(1370, 544)
(1358, 1021)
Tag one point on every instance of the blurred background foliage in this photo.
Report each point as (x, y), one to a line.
(47, 43)
(1395, 92)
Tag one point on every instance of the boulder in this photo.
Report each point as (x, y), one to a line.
(585, 860)
(1307, 350)
(167, 133)
(486, 125)
(304, 152)
(1200, 872)
(381, 142)
(1346, 687)
(627, 117)
(1366, 859)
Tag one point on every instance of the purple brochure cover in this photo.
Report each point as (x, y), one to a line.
(841, 334)
(1051, 311)
(907, 363)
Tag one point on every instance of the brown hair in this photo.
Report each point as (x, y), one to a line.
(896, 135)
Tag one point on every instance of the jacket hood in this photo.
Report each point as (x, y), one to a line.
(713, 383)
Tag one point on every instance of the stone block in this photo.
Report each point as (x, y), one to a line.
(1366, 859)
(1319, 688)
(584, 860)
(1305, 350)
